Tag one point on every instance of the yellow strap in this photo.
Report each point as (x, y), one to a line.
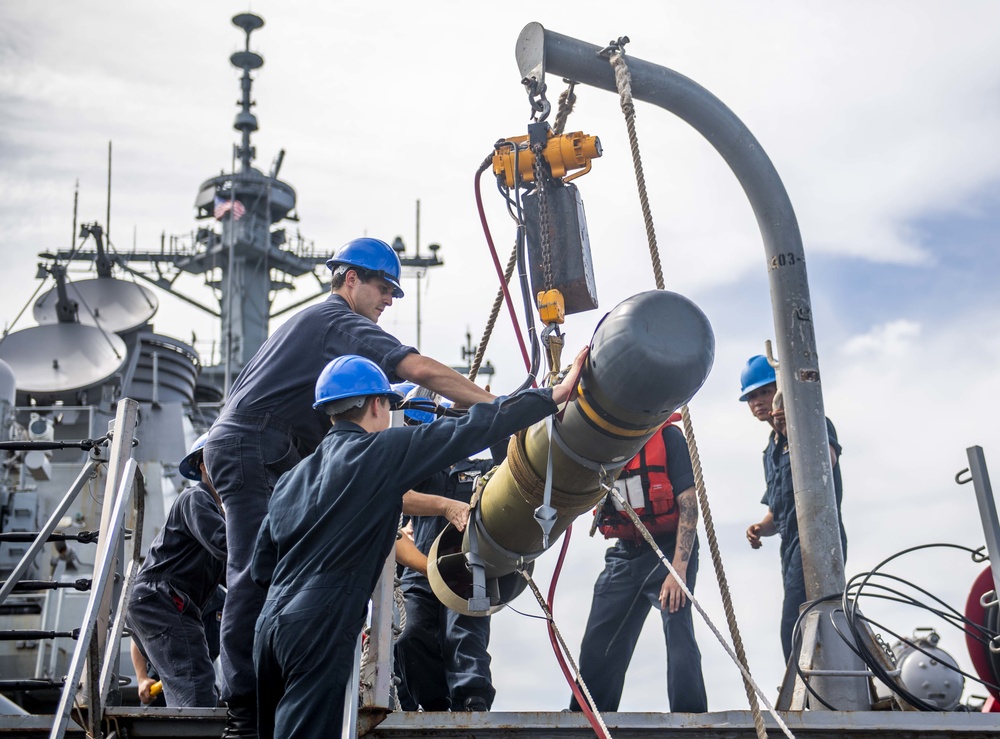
(603, 422)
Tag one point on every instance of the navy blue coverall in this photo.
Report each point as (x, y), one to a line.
(267, 426)
(441, 656)
(623, 594)
(331, 524)
(780, 498)
(179, 578)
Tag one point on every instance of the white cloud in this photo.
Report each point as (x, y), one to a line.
(887, 339)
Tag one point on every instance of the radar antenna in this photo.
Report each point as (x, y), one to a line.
(246, 122)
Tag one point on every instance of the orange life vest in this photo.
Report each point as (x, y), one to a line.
(644, 483)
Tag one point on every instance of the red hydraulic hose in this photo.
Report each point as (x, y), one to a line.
(577, 693)
(499, 268)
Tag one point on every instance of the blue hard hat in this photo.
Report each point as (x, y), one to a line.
(189, 465)
(425, 398)
(351, 376)
(371, 254)
(757, 373)
(417, 416)
(403, 388)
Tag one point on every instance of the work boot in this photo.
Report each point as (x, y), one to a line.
(475, 703)
(241, 721)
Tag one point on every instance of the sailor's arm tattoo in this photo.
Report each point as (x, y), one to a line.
(687, 525)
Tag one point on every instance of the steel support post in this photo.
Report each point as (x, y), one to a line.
(377, 676)
(540, 51)
(349, 725)
(89, 646)
(987, 510)
(122, 431)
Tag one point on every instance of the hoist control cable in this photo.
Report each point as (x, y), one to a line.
(500, 272)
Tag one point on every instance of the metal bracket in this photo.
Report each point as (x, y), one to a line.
(530, 53)
(545, 514)
(480, 600)
(614, 46)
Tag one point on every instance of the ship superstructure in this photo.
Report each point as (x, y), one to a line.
(94, 345)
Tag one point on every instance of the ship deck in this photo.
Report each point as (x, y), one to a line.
(209, 722)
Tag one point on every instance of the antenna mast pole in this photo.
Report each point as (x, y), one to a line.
(107, 220)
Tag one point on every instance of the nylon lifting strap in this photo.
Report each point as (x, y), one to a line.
(623, 81)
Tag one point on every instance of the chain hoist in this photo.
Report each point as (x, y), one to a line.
(541, 162)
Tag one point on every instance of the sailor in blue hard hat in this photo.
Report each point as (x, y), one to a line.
(190, 466)
(179, 579)
(331, 523)
(350, 382)
(759, 390)
(376, 270)
(419, 403)
(757, 373)
(267, 426)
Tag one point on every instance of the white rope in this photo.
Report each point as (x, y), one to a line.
(697, 606)
(399, 600)
(569, 656)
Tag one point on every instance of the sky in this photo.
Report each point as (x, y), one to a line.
(880, 117)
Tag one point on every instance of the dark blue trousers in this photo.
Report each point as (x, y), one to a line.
(172, 639)
(794, 581)
(304, 653)
(211, 616)
(623, 594)
(441, 656)
(245, 455)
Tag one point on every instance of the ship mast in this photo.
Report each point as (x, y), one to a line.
(248, 262)
(241, 250)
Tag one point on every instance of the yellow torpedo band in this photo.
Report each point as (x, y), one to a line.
(603, 423)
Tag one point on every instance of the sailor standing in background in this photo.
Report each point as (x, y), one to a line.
(267, 426)
(659, 484)
(331, 524)
(442, 657)
(758, 387)
(179, 578)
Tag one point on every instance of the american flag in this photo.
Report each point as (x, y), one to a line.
(224, 205)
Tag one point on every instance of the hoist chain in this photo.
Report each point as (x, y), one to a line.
(540, 105)
(541, 183)
(552, 339)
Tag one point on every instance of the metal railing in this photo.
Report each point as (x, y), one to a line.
(94, 666)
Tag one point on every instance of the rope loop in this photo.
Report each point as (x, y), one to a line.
(567, 99)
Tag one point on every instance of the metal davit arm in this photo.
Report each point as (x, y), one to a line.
(540, 51)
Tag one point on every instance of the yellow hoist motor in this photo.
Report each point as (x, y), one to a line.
(563, 154)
